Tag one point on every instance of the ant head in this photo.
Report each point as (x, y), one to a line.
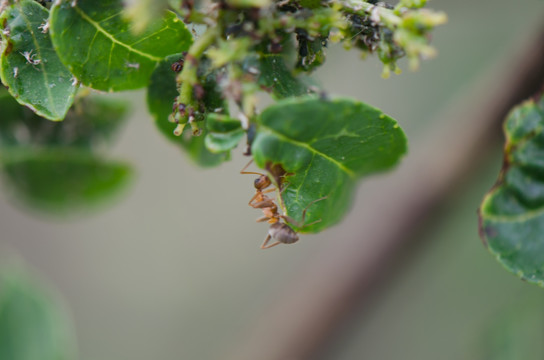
(262, 182)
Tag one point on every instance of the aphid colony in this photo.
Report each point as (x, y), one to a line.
(278, 231)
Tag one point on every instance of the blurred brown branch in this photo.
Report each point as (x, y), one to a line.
(342, 276)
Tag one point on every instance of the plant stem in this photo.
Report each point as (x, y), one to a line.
(188, 76)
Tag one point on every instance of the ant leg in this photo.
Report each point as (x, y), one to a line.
(282, 203)
(249, 172)
(301, 224)
(291, 220)
(253, 199)
(265, 242)
(263, 219)
(267, 203)
(306, 209)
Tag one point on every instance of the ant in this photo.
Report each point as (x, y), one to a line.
(279, 231)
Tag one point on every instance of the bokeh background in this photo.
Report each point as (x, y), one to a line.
(173, 269)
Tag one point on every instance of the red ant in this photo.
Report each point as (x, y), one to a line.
(261, 183)
(279, 231)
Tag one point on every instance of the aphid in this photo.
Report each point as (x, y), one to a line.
(44, 27)
(30, 57)
(133, 65)
(178, 65)
(15, 72)
(198, 91)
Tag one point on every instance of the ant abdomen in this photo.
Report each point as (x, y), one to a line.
(283, 233)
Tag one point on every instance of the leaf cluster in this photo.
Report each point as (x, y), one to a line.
(204, 66)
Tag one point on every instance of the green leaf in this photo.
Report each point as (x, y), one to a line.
(275, 75)
(63, 180)
(30, 67)
(325, 146)
(512, 213)
(100, 48)
(161, 94)
(32, 325)
(92, 120)
(224, 133)
(142, 12)
(50, 165)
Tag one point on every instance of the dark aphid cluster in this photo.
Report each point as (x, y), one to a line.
(311, 50)
(366, 33)
(207, 97)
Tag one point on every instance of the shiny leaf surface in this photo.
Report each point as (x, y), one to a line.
(512, 213)
(99, 47)
(30, 67)
(325, 146)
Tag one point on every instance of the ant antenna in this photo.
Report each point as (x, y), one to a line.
(250, 172)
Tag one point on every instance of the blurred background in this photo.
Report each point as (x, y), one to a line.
(173, 269)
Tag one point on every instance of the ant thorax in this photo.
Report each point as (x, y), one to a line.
(283, 233)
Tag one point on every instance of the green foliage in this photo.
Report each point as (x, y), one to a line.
(32, 324)
(55, 167)
(325, 146)
(64, 180)
(203, 93)
(224, 133)
(512, 213)
(30, 67)
(276, 77)
(97, 44)
(161, 92)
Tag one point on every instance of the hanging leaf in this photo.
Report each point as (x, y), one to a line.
(51, 166)
(512, 213)
(99, 47)
(63, 180)
(32, 325)
(325, 147)
(224, 133)
(30, 67)
(161, 94)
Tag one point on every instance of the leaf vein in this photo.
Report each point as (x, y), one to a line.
(311, 149)
(113, 39)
